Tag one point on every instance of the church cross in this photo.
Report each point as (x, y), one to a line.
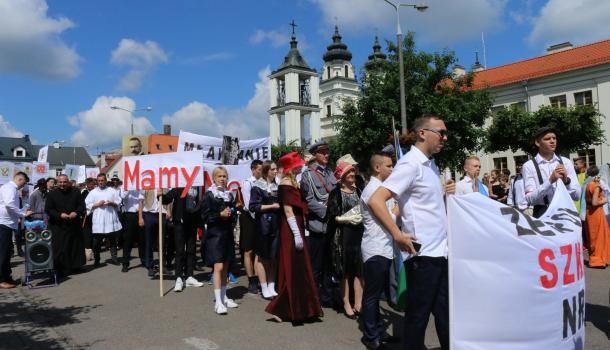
(293, 26)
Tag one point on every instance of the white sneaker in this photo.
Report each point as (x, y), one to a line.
(272, 292)
(179, 285)
(220, 309)
(230, 303)
(192, 282)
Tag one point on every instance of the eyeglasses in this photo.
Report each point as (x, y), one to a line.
(441, 132)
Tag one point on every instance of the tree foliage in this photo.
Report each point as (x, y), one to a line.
(513, 129)
(366, 124)
(279, 150)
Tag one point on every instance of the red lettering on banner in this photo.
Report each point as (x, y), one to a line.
(148, 183)
(567, 276)
(207, 180)
(548, 267)
(580, 273)
(190, 178)
(168, 172)
(131, 176)
(233, 185)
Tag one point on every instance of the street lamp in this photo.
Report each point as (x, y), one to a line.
(145, 109)
(401, 68)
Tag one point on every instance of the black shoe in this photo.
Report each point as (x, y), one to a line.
(390, 339)
(151, 272)
(96, 263)
(115, 261)
(372, 345)
(125, 268)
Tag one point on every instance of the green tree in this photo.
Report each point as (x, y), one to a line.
(279, 150)
(366, 124)
(513, 129)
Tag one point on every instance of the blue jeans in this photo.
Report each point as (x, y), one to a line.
(151, 232)
(376, 281)
(427, 292)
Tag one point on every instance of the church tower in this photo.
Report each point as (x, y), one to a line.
(377, 60)
(338, 83)
(295, 94)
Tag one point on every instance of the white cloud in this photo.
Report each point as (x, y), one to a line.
(102, 126)
(275, 38)
(250, 121)
(31, 44)
(7, 130)
(202, 59)
(578, 21)
(141, 58)
(445, 22)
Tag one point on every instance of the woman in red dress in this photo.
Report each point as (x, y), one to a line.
(297, 299)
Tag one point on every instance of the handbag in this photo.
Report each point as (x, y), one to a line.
(352, 216)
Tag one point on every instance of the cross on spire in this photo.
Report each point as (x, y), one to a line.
(293, 26)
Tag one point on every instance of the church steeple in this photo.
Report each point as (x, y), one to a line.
(337, 50)
(377, 56)
(294, 59)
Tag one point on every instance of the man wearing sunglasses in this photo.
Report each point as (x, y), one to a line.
(415, 183)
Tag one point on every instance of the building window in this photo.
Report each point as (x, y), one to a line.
(558, 101)
(583, 98)
(346, 71)
(19, 152)
(519, 105)
(282, 139)
(520, 160)
(58, 172)
(500, 163)
(588, 155)
(171, 147)
(496, 109)
(328, 112)
(328, 72)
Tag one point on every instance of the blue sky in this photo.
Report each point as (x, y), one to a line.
(202, 65)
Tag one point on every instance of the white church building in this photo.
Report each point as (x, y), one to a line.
(304, 102)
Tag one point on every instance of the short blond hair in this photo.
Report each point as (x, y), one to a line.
(471, 157)
(219, 169)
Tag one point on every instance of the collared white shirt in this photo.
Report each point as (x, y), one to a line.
(10, 213)
(517, 190)
(376, 240)
(154, 208)
(105, 219)
(415, 183)
(246, 193)
(465, 186)
(536, 192)
(131, 200)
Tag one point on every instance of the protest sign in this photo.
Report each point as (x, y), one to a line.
(237, 174)
(6, 172)
(40, 170)
(43, 154)
(72, 171)
(249, 150)
(515, 282)
(166, 170)
(92, 172)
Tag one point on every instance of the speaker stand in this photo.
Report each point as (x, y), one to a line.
(29, 277)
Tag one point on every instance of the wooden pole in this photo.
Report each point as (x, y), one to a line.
(160, 248)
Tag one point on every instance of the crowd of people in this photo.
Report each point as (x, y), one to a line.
(309, 237)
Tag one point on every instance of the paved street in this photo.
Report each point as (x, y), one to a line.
(107, 309)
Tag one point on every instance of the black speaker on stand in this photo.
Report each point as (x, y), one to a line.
(39, 257)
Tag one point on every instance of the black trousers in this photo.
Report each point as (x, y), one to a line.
(132, 232)
(427, 292)
(376, 282)
(111, 239)
(319, 250)
(6, 243)
(151, 227)
(185, 236)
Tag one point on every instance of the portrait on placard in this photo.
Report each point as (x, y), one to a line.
(135, 145)
(230, 150)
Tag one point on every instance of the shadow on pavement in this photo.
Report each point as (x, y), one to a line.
(599, 316)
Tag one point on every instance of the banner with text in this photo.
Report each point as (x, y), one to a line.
(237, 174)
(515, 282)
(249, 150)
(165, 170)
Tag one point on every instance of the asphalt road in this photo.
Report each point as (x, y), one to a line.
(106, 309)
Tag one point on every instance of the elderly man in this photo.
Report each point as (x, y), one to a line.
(10, 213)
(65, 208)
(316, 183)
(415, 183)
(135, 146)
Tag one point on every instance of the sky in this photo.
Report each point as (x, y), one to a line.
(203, 65)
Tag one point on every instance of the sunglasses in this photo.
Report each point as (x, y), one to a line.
(441, 132)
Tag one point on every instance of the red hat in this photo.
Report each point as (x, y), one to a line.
(291, 160)
(342, 169)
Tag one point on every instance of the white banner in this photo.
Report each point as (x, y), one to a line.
(249, 150)
(92, 172)
(515, 282)
(43, 154)
(40, 170)
(165, 170)
(6, 172)
(72, 171)
(237, 174)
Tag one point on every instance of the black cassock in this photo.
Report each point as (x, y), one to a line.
(67, 239)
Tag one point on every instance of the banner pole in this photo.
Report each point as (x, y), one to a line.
(160, 247)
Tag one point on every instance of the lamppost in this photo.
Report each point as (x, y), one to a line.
(401, 68)
(132, 113)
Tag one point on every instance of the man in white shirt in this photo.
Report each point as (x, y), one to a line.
(470, 182)
(516, 193)
(103, 204)
(377, 254)
(541, 173)
(10, 213)
(133, 232)
(247, 226)
(415, 183)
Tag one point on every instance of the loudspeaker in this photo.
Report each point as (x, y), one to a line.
(38, 251)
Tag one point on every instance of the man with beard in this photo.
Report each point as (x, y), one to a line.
(65, 210)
